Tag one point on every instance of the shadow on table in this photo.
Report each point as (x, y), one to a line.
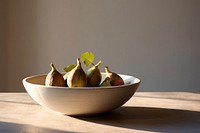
(150, 119)
(18, 102)
(8, 127)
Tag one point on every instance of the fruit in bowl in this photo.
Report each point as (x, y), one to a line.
(78, 93)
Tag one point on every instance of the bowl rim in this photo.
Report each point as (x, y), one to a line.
(24, 81)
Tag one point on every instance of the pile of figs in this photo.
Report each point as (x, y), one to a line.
(77, 77)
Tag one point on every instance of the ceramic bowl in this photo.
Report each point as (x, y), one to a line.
(80, 101)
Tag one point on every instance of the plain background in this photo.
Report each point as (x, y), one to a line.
(157, 41)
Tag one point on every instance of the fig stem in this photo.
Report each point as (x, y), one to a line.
(99, 63)
(106, 69)
(52, 67)
(78, 61)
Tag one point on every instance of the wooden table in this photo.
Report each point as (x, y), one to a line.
(169, 112)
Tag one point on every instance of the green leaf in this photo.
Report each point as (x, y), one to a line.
(69, 68)
(87, 58)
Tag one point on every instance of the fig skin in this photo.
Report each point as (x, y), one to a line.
(115, 79)
(77, 76)
(54, 78)
(94, 76)
(65, 76)
(106, 82)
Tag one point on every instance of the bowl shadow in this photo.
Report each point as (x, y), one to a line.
(10, 127)
(149, 119)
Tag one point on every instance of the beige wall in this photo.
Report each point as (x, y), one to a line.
(3, 48)
(157, 41)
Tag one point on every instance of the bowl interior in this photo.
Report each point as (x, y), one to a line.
(40, 80)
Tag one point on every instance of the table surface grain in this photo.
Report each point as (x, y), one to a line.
(168, 112)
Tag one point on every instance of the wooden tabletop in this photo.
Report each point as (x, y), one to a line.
(168, 112)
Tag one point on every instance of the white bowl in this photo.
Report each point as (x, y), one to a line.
(80, 100)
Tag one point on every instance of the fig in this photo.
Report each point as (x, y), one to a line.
(65, 76)
(77, 76)
(115, 79)
(94, 75)
(106, 82)
(54, 78)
